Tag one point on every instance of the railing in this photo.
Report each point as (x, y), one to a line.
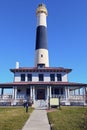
(5, 97)
(76, 98)
(20, 96)
(40, 104)
(10, 97)
(62, 97)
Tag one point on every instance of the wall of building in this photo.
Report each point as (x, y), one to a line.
(17, 76)
(65, 77)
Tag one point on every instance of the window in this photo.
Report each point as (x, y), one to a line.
(22, 77)
(19, 90)
(56, 91)
(28, 91)
(62, 91)
(41, 78)
(52, 77)
(59, 78)
(29, 77)
(40, 66)
(41, 55)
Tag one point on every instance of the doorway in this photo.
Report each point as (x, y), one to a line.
(40, 94)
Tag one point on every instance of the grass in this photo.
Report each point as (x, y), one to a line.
(13, 118)
(68, 118)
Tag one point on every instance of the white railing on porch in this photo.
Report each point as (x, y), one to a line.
(6, 96)
(20, 96)
(62, 97)
(70, 98)
(76, 98)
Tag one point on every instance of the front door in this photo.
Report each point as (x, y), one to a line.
(41, 94)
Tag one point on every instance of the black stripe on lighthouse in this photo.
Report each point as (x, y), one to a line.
(41, 38)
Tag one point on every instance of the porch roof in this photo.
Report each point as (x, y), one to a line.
(70, 84)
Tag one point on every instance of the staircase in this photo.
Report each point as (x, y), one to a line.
(40, 104)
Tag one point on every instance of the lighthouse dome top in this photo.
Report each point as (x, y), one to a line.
(41, 9)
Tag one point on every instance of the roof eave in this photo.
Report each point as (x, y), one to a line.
(47, 69)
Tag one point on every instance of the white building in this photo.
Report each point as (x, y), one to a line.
(41, 82)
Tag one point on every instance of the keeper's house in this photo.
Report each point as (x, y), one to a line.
(42, 82)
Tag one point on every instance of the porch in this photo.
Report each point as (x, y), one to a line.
(39, 95)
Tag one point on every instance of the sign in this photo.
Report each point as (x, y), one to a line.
(54, 101)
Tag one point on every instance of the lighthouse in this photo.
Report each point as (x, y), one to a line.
(41, 49)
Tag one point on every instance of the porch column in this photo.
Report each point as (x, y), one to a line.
(85, 94)
(79, 91)
(67, 102)
(50, 92)
(14, 92)
(74, 92)
(2, 92)
(67, 92)
(31, 92)
(48, 96)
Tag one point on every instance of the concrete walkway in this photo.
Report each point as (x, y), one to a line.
(37, 121)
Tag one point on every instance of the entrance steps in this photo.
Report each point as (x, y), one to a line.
(40, 104)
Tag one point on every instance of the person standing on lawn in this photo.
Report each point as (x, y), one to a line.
(26, 106)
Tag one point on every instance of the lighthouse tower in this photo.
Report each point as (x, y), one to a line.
(41, 49)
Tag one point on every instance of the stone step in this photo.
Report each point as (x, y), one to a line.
(40, 104)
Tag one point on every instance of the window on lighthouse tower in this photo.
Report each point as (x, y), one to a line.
(40, 66)
(41, 55)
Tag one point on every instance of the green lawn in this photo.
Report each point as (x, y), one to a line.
(13, 118)
(69, 118)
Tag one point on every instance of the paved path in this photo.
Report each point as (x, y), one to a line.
(37, 121)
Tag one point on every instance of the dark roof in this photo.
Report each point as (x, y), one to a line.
(46, 69)
(72, 84)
